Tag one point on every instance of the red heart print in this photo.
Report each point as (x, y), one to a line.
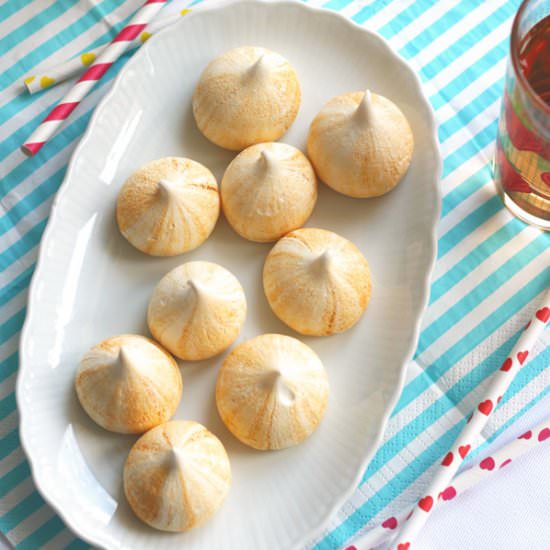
(351, 548)
(487, 463)
(522, 355)
(448, 459)
(463, 450)
(390, 523)
(507, 365)
(544, 434)
(403, 546)
(426, 503)
(485, 407)
(505, 463)
(543, 314)
(448, 494)
(526, 435)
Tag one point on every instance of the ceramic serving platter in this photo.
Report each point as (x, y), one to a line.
(91, 284)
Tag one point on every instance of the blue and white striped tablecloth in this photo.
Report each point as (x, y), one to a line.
(490, 268)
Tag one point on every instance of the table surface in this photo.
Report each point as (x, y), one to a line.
(525, 483)
(490, 269)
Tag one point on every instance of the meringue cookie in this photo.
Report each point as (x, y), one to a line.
(360, 144)
(317, 282)
(197, 310)
(247, 95)
(268, 190)
(272, 392)
(169, 206)
(128, 384)
(176, 476)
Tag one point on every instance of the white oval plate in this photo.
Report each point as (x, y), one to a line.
(91, 284)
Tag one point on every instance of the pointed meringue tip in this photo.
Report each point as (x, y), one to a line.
(274, 382)
(259, 61)
(364, 111)
(267, 159)
(166, 187)
(323, 262)
(257, 68)
(124, 358)
(284, 394)
(197, 288)
(173, 458)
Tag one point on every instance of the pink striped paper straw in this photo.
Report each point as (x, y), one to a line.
(464, 481)
(476, 422)
(54, 75)
(87, 81)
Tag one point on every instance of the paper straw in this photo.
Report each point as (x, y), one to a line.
(69, 68)
(462, 482)
(476, 422)
(90, 77)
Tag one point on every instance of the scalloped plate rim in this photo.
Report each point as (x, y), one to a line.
(74, 523)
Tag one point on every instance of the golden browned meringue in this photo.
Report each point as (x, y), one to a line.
(176, 476)
(317, 282)
(268, 190)
(272, 392)
(168, 206)
(128, 384)
(360, 144)
(247, 95)
(197, 310)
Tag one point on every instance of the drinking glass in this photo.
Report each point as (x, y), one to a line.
(522, 159)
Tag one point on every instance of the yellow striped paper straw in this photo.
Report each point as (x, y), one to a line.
(72, 67)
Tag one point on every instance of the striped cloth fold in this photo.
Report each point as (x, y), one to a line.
(491, 267)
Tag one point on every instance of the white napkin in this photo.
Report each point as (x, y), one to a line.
(508, 511)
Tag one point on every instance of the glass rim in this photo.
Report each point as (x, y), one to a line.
(514, 54)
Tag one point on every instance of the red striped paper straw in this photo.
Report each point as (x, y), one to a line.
(88, 80)
(476, 422)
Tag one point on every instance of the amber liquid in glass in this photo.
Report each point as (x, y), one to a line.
(522, 167)
(534, 58)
